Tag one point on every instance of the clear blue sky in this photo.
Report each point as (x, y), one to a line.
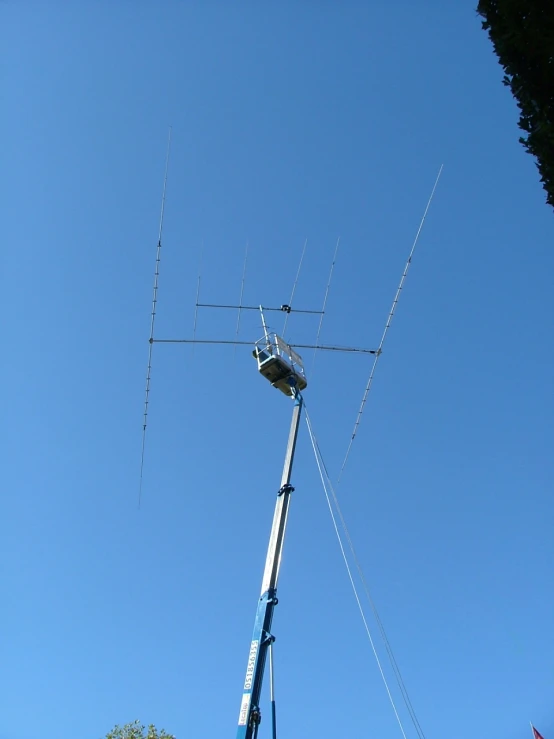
(290, 121)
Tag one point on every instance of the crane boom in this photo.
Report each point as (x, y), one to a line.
(250, 716)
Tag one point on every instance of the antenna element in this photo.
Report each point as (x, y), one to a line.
(387, 326)
(153, 318)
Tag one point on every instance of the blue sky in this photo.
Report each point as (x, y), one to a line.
(291, 121)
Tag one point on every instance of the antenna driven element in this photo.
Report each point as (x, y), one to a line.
(325, 298)
(294, 286)
(241, 291)
(197, 292)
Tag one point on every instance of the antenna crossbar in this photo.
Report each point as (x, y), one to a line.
(320, 347)
(283, 309)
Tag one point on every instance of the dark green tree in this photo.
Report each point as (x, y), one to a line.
(522, 34)
(137, 731)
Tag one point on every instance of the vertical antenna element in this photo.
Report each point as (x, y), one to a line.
(197, 294)
(153, 317)
(388, 323)
(325, 299)
(241, 295)
(266, 332)
(294, 286)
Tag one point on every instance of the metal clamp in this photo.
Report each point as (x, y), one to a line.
(288, 488)
(255, 716)
(270, 597)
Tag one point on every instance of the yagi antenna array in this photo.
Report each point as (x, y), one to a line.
(273, 343)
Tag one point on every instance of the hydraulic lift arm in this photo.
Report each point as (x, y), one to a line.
(250, 716)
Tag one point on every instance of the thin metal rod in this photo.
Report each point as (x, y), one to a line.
(271, 678)
(387, 326)
(153, 318)
(266, 332)
(257, 307)
(294, 286)
(198, 291)
(241, 291)
(272, 693)
(325, 300)
(323, 348)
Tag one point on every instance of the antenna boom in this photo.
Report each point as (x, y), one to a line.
(282, 309)
(320, 347)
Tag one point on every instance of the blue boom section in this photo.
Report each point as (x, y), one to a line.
(250, 715)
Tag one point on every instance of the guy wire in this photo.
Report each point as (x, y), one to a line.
(325, 476)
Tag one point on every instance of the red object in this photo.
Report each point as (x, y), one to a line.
(537, 735)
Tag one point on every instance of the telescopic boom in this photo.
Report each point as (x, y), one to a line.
(262, 638)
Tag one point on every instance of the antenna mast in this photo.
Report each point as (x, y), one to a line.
(266, 333)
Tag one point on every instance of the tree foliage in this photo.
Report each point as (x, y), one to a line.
(137, 731)
(522, 33)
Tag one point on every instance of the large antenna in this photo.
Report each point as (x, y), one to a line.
(153, 317)
(387, 326)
